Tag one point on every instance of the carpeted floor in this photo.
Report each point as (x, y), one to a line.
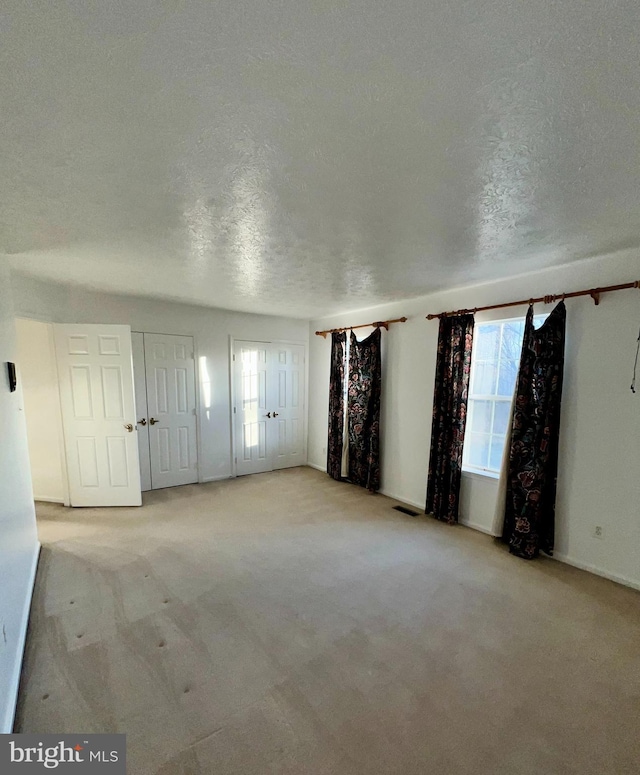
(287, 623)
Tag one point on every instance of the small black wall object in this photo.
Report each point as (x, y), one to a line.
(11, 371)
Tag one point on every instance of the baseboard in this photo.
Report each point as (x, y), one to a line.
(476, 526)
(402, 499)
(44, 499)
(11, 698)
(318, 468)
(487, 531)
(596, 571)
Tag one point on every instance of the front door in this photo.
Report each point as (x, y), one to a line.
(171, 407)
(98, 414)
(268, 406)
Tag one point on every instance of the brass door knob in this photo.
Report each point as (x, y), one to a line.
(153, 421)
(129, 427)
(143, 421)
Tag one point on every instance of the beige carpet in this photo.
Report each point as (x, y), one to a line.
(286, 623)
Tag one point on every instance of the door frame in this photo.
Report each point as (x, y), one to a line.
(196, 373)
(232, 393)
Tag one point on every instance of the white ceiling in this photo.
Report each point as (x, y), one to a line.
(301, 158)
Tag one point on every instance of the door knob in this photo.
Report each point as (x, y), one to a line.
(275, 414)
(143, 421)
(268, 414)
(153, 421)
(129, 427)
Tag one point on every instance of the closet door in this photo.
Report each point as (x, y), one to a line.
(288, 403)
(142, 416)
(253, 428)
(170, 374)
(268, 410)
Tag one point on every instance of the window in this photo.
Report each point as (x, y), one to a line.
(494, 368)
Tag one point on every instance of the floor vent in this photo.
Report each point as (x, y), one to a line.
(405, 510)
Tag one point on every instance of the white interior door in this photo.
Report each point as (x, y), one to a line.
(252, 361)
(288, 402)
(171, 403)
(98, 414)
(268, 406)
(142, 416)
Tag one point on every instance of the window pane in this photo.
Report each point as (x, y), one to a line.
(486, 342)
(478, 449)
(484, 379)
(481, 416)
(512, 334)
(507, 379)
(501, 417)
(495, 458)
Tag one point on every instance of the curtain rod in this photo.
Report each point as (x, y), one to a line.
(378, 324)
(593, 292)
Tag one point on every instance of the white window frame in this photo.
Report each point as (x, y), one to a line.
(467, 467)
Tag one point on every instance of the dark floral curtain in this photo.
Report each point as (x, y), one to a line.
(365, 377)
(533, 456)
(453, 366)
(336, 405)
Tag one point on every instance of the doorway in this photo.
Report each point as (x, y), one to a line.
(81, 412)
(78, 401)
(164, 380)
(268, 411)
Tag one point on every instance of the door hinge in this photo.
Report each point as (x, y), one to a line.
(234, 410)
(234, 356)
(235, 460)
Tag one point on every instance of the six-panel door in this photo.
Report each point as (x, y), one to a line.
(170, 372)
(288, 400)
(268, 406)
(98, 414)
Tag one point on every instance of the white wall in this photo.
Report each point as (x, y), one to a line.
(211, 329)
(39, 377)
(599, 475)
(18, 538)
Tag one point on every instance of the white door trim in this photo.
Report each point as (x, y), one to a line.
(66, 487)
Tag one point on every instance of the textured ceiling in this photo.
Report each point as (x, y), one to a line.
(304, 158)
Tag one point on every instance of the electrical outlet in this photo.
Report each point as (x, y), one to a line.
(597, 531)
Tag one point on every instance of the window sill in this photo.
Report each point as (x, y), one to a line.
(473, 473)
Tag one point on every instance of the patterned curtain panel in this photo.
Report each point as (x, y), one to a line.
(453, 366)
(336, 405)
(533, 456)
(365, 377)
